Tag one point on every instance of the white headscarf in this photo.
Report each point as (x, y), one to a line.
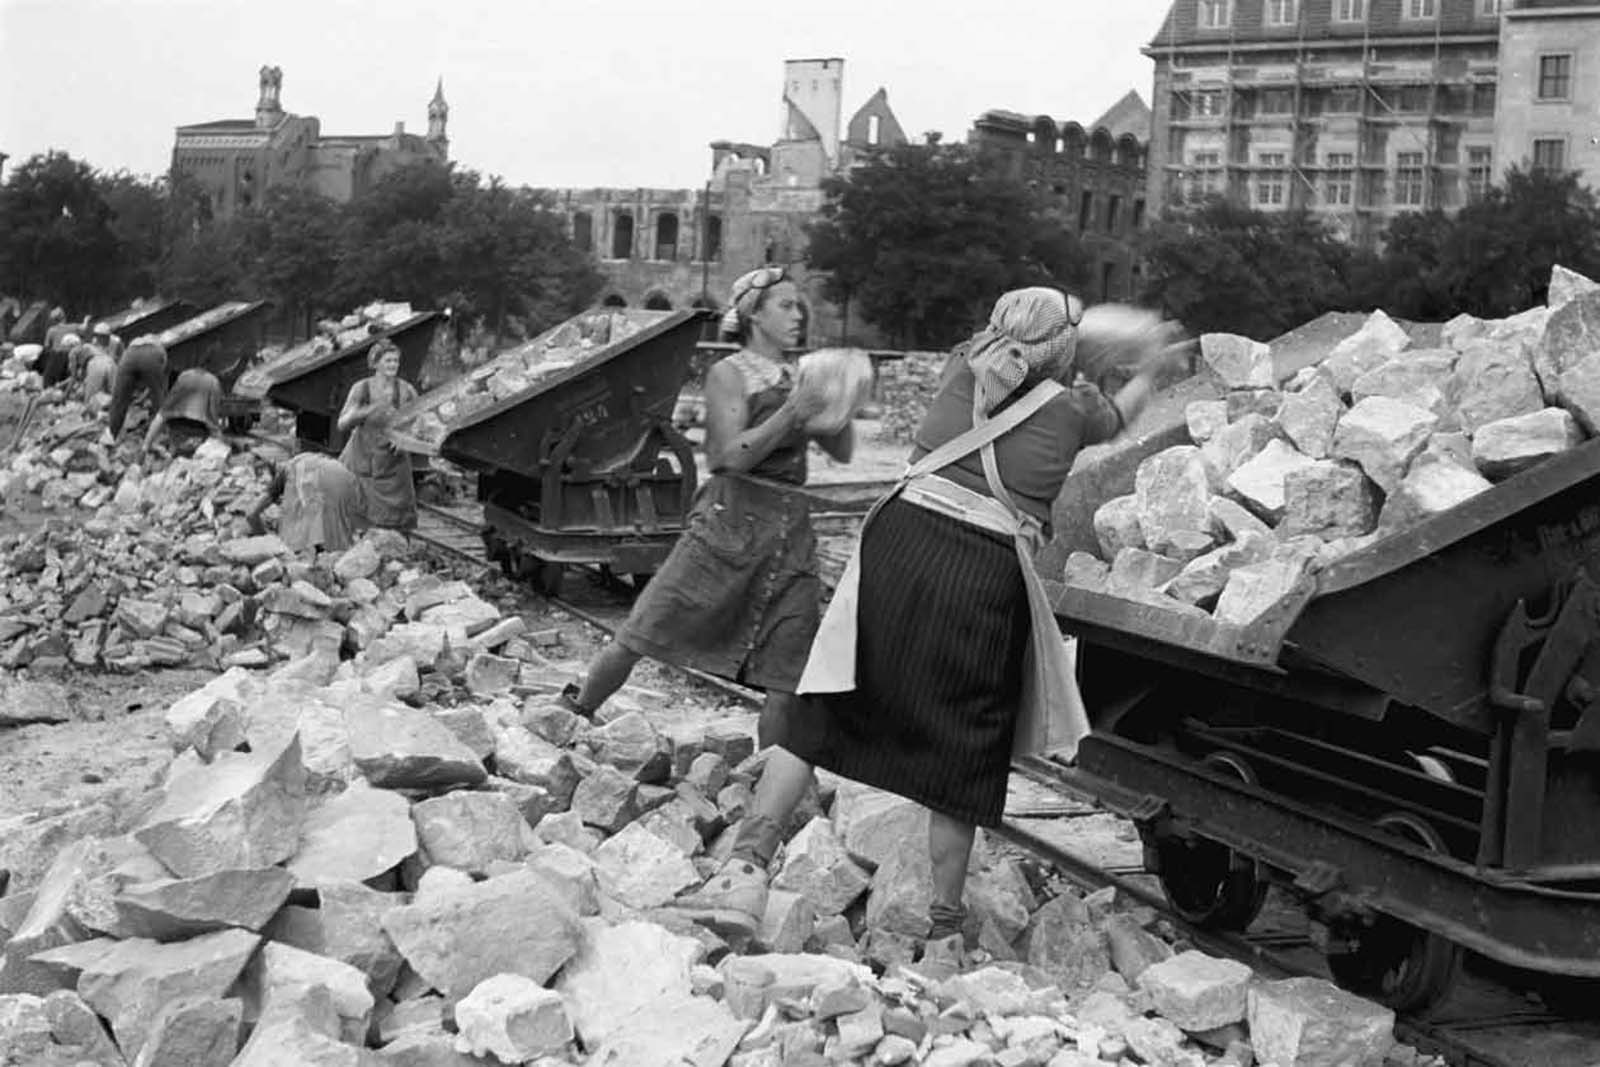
(1029, 329)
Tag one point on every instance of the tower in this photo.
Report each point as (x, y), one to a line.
(438, 115)
(268, 110)
(812, 102)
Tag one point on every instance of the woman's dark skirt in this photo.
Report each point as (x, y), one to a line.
(942, 629)
(739, 595)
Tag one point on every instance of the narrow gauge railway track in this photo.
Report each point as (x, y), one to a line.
(1458, 1038)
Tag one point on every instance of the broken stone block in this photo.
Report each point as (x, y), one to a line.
(901, 891)
(201, 1033)
(872, 824)
(524, 757)
(858, 1032)
(571, 873)
(1116, 525)
(1061, 942)
(360, 560)
(1260, 482)
(1173, 495)
(403, 748)
(1133, 948)
(211, 719)
(356, 835)
(1197, 991)
(1570, 336)
(499, 635)
(633, 746)
(606, 799)
(1497, 381)
(1085, 571)
(79, 1035)
(989, 991)
(514, 1019)
(1240, 362)
(1235, 520)
(469, 831)
(296, 1040)
(567, 828)
(708, 772)
(1204, 418)
(1565, 285)
(174, 909)
(1256, 588)
(1135, 569)
(1154, 1040)
(252, 551)
(1202, 579)
(1383, 436)
(1306, 1022)
(670, 1032)
(1579, 392)
(511, 924)
(346, 926)
(394, 680)
(622, 969)
(1245, 402)
(281, 977)
(460, 619)
(1510, 446)
(130, 983)
(1328, 500)
(550, 721)
(490, 675)
(1433, 486)
(1379, 340)
(641, 870)
(242, 810)
(816, 865)
(1235, 445)
(787, 924)
(421, 641)
(1423, 379)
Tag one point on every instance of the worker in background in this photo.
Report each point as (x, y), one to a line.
(99, 377)
(57, 329)
(320, 504)
(107, 340)
(191, 412)
(79, 356)
(143, 368)
(55, 366)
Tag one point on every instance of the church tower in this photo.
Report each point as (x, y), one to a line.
(269, 109)
(438, 115)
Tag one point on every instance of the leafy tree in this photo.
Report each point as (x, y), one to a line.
(59, 242)
(922, 238)
(1226, 268)
(297, 252)
(210, 265)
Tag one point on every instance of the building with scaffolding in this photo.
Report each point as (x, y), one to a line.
(1358, 110)
(1549, 110)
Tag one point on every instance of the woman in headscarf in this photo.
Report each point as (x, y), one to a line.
(939, 655)
(738, 596)
(384, 469)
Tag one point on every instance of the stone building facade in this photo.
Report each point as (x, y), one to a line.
(1548, 109)
(238, 160)
(674, 248)
(1095, 175)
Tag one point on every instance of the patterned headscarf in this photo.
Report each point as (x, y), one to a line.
(1029, 329)
(746, 294)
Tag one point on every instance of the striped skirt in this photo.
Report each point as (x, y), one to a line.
(942, 629)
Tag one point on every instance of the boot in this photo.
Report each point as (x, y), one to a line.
(734, 900)
(569, 700)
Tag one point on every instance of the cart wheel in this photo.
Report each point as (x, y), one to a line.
(1210, 884)
(1399, 965)
(1570, 998)
(546, 576)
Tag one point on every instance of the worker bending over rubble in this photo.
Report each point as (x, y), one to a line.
(939, 653)
(143, 368)
(191, 412)
(320, 504)
(738, 596)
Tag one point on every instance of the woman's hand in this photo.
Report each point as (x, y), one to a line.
(805, 404)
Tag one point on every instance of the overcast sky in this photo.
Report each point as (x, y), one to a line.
(597, 93)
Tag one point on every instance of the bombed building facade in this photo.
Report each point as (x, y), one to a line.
(237, 160)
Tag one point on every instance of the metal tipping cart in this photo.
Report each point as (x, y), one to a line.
(222, 340)
(312, 380)
(572, 438)
(132, 322)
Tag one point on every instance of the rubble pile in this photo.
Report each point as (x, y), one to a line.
(275, 364)
(331, 875)
(1278, 483)
(906, 386)
(424, 424)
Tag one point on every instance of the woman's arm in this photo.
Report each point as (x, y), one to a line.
(354, 412)
(273, 494)
(731, 447)
(842, 445)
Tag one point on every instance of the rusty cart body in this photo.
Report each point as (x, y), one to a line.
(583, 465)
(222, 340)
(313, 380)
(1410, 744)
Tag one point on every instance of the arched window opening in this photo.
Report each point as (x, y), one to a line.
(583, 231)
(614, 301)
(657, 302)
(622, 237)
(874, 129)
(667, 235)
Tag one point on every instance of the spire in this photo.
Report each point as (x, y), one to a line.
(438, 115)
(437, 103)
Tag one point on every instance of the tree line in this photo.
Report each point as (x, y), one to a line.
(923, 237)
(431, 234)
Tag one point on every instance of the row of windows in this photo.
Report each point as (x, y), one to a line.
(666, 245)
(1218, 14)
(1342, 100)
(1113, 221)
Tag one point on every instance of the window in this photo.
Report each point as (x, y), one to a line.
(714, 237)
(874, 129)
(1550, 153)
(1270, 183)
(1349, 10)
(1205, 175)
(622, 236)
(1417, 10)
(1412, 98)
(1483, 98)
(1281, 12)
(1215, 14)
(1208, 104)
(583, 231)
(1277, 102)
(1343, 101)
(1488, 8)
(1555, 77)
(1085, 211)
(1339, 182)
(1138, 214)
(1114, 214)
(667, 235)
(1408, 179)
(1480, 168)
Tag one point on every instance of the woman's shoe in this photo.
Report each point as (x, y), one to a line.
(732, 902)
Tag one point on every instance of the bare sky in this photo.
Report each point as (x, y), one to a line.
(599, 93)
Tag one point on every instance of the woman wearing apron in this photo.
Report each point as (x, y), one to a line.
(939, 655)
(738, 596)
(384, 470)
